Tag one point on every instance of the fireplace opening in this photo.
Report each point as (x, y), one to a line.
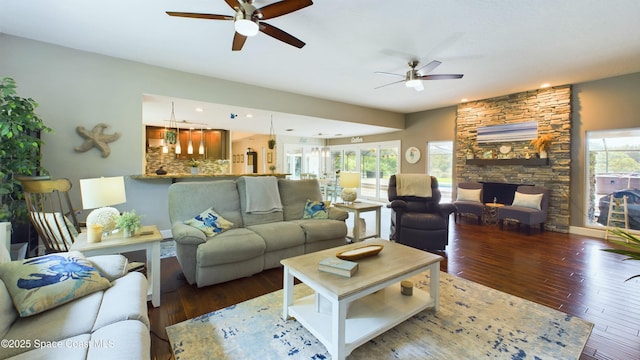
(502, 192)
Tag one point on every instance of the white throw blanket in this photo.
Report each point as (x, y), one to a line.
(262, 194)
(413, 185)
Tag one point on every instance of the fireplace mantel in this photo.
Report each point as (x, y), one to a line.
(502, 162)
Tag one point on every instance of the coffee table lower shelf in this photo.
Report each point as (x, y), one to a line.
(367, 317)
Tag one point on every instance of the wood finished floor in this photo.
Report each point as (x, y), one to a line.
(565, 272)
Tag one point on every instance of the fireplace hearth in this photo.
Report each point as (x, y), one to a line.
(502, 192)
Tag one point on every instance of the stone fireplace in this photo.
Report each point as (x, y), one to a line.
(503, 193)
(551, 109)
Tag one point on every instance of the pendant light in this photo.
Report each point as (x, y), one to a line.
(173, 122)
(201, 148)
(190, 144)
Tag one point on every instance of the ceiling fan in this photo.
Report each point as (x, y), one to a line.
(414, 76)
(248, 20)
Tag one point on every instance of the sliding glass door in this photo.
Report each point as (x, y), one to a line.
(613, 170)
(375, 162)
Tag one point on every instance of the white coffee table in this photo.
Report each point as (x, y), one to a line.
(365, 305)
(148, 240)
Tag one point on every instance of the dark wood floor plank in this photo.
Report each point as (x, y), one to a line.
(566, 272)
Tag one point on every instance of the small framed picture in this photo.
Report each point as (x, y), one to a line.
(269, 158)
(233, 158)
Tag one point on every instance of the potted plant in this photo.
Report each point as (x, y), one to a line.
(630, 242)
(541, 144)
(272, 168)
(195, 164)
(20, 145)
(129, 222)
(272, 137)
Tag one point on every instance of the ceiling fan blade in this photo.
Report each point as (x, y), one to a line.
(200, 16)
(276, 33)
(234, 4)
(381, 86)
(441, 77)
(238, 42)
(282, 7)
(430, 66)
(388, 73)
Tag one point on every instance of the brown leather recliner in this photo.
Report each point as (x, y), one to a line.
(419, 222)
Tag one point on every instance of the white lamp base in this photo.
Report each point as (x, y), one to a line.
(105, 216)
(349, 195)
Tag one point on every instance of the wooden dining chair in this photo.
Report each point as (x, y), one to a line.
(51, 213)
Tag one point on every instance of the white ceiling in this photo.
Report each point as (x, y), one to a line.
(501, 47)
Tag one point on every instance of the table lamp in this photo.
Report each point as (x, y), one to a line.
(350, 182)
(99, 194)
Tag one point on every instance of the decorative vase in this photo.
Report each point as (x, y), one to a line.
(543, 154)
(161, 171)
(128, 233)
(194, 171)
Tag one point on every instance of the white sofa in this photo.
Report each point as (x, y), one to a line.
(107, 324)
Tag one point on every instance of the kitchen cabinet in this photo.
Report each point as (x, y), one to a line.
(215, 142)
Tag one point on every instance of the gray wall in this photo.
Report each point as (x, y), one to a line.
(76, 88)
(612, 103)
(421, 127)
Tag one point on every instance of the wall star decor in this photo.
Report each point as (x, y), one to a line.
(96, 138)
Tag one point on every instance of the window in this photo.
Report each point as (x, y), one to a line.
(376, 162)
(440, 165)
(613, 159)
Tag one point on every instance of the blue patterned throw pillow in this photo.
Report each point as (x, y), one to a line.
(210, 222)
(42, 283)
(316, 210)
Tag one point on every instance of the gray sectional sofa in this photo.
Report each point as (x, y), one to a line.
(107, 324)
(256, 242)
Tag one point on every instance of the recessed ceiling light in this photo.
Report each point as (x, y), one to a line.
(249, 115)
(464, 100)
(545, 85)
(198, 109)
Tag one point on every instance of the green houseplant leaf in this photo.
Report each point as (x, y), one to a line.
(631, 242)
(20, 144)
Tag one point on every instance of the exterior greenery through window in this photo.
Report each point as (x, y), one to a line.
(614, 169)
(440, 165)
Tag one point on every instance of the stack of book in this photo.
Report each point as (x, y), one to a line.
(337, 266)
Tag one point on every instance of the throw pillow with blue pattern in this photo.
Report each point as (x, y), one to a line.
(316, 209)
(210, 222)
(42, 283)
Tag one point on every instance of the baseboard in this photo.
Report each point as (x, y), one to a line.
(166, 234)
(596, 233)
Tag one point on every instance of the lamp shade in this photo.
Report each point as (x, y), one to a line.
(350, 180)
(104, 191)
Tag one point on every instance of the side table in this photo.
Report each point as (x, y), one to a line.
(490, 213)
(356, 208)
(148, 239)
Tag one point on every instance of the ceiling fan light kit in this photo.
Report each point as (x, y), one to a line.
(413, 78)
(247, 21)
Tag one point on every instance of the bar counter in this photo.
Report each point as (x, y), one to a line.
(177, 177)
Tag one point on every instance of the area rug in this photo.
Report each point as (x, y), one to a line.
(167, 248)
(473, 322)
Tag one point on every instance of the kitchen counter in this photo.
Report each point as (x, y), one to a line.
(200, 177)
